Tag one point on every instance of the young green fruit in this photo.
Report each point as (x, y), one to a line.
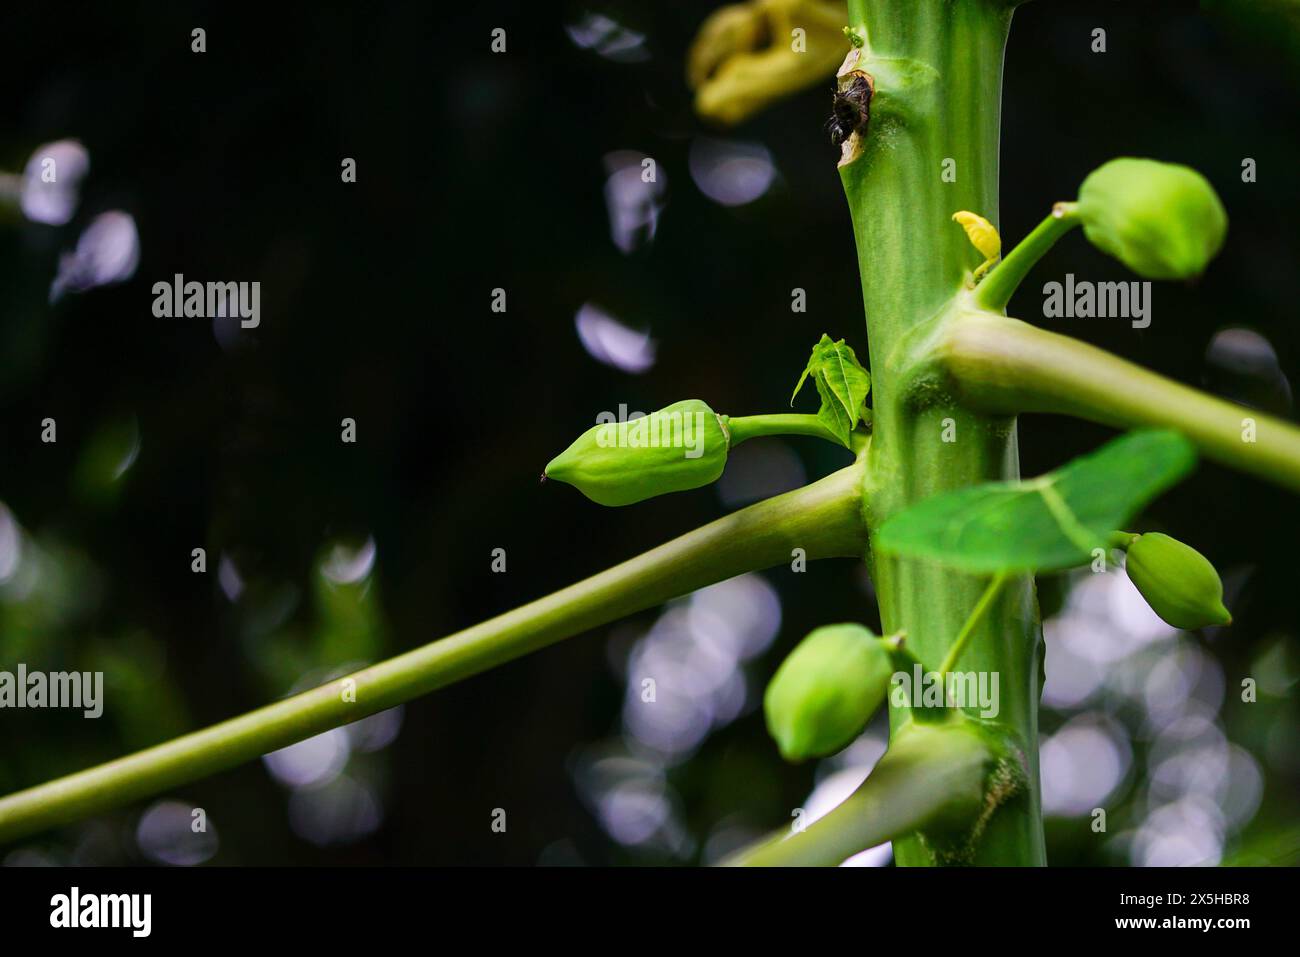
(1162, 220)
(680, 447)
(824, 693)
(1178, 582)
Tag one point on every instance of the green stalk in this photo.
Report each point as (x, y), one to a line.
(937, 71)
(747, 427)
(935, 772)
(1003, 365)
(998, 286)
(823, 518)
(976, 616)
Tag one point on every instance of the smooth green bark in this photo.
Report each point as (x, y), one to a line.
(937, 70)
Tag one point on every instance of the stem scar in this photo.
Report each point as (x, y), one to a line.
(851, 111)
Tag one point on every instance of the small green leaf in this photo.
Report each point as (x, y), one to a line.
(1048, 523)
(844, 376)
(833, 417)
(841, 383)
(802, 379)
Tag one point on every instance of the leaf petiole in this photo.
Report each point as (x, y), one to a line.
(1001, 282)
(968, 628)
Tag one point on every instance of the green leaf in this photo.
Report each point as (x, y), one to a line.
(1048, 523)
(833, 417)
(841, 383)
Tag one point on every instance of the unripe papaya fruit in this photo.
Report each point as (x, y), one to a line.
(824, 693)
(1178, 582)
(680, 447)
(1162, 220)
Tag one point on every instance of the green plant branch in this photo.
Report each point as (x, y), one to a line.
(747, 427)
(824, 519)
(930, 773)
(999, 285)
(1006, 366)
(968, 628)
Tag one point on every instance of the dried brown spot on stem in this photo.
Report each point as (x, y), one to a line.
(852, 107)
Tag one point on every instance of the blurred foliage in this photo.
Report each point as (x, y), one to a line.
(748, 55)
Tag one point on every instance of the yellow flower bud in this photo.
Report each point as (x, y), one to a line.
(982, 236)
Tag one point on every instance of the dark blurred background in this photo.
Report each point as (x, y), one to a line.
(521, 171)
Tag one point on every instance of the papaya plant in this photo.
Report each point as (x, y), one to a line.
(932, 500)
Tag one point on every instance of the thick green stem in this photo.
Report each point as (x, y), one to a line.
(1004, 366)
(931, 149)
(824, 519)
(931, 772)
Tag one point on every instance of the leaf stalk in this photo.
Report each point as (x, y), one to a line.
(824, 519)
(1005, 366)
